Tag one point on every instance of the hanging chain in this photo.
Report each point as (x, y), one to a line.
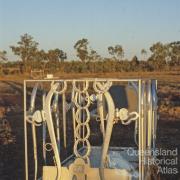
(82, 117)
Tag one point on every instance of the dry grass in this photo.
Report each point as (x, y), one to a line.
(11, 98)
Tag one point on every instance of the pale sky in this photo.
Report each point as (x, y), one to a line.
(134, 24)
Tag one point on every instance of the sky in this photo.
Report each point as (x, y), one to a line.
(134, 24)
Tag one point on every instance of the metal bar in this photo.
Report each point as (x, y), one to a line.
(35, 151)
(51, 129)
(139, 134)
(64, 118)
(25, 134)
(150, 119)
(143, 135)
(154, 112)
(101, 113)
(80, 80)
(56, 111)
(44, 131)
(73, 114)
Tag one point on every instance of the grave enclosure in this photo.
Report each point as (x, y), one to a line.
(59, 116)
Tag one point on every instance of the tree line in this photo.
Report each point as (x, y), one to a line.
(162, 57)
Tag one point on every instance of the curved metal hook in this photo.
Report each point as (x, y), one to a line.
(50, 127)
(108, 132)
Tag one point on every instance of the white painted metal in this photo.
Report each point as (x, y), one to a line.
(145, 118)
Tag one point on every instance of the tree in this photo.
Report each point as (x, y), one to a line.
(159, 51)
(135, 61)
(56, 55)
(144, 66)
(41, 55)
(159, 55)
(52, 59)
(26, 49)
(2, 59)
(174, 53)
(81, 47)
(111, 50)
(40, 58)
(144, 54)
(117, 52)
(94, 56)
(3, 56)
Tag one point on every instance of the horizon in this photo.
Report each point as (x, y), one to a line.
(60, 24)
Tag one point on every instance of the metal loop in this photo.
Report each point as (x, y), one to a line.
(127, 122)
(98, 119)
(88, 148)
(101, 87)
(78, 90)
(87, 98)
(48, 149)
(77, 114)
(82, 103)
(30, 120)
(77, 131)
(63, 89)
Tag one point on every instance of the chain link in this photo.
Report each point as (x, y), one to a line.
(82, 102)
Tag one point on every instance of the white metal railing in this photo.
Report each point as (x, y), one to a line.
(85, 92)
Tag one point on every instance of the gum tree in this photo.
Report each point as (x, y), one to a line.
(117, 52)
(26, 49)
(81, 47)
